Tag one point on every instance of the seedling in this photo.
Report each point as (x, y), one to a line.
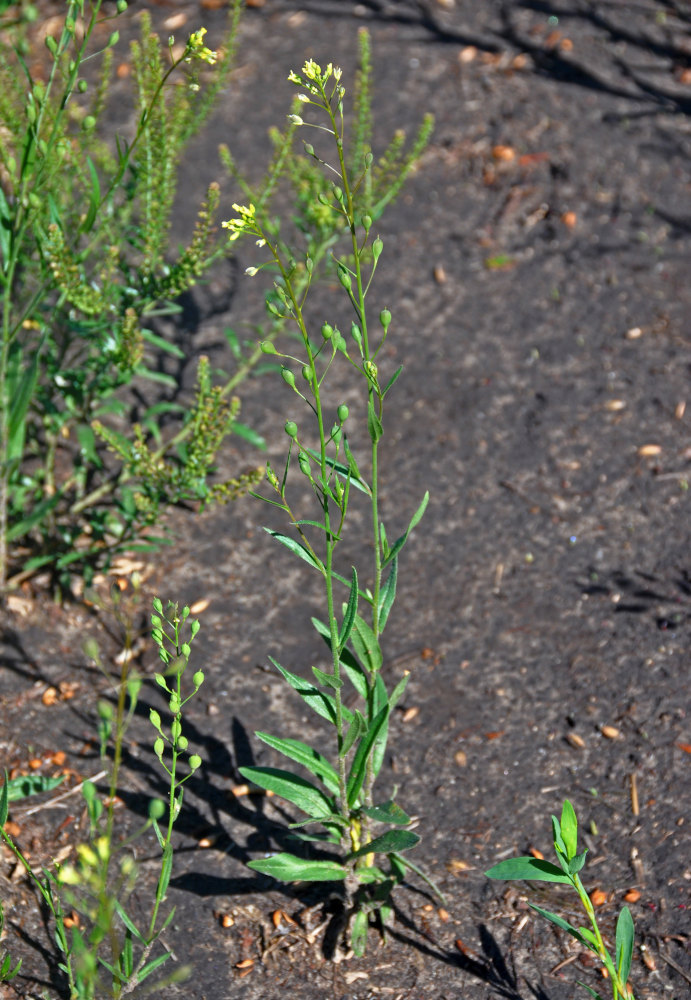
(565, 833)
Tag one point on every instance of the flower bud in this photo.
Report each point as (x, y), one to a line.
(288, 377)
(291, 429)
(385, 319)
(342, 413)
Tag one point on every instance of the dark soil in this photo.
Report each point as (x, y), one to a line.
(541, 307)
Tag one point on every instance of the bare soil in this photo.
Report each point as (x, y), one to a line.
(537, 266)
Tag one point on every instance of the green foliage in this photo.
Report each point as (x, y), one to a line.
(369, 835)
(565, 835)
(106, 953)
(85, 263)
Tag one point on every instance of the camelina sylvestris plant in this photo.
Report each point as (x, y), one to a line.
(571, 862)
(370, 834)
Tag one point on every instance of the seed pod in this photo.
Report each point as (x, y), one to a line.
(344, 277)
(182, 743)
(266, 347)
(356, 334)
(377, 248)
(342, 412)
(304, 463)
(367, 222)
(307, 373)
(82, 86)
(288, 377)
(291, 429)
(327, 331)
(195, 761)
(385, 319)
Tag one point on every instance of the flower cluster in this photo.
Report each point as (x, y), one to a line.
(314, 79)
(245, 223)
(197, 50)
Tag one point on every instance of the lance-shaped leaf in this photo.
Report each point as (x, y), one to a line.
(624, 944)
(366, 645)
(350, 613)
(297, 548)
(554, 918)
(303, 754)
(352, 668)
(292, 788)
(388, 812)
(289, 868)
(387, 594)
(322, 703)
(359, 766)
(569, 829)
(392, 840)
(400, 542)
(528, 869)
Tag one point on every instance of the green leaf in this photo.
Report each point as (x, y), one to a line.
(373, 422)
(394, 378)
(527, 869)
(350, 613)
(166, 871)
(94, 198)
(554, 918)
(569, 829)
(352, 467)
(322, 703)
(400, 542)
(575, 864)
(358, 933)
(303, 754)
(162, 344)
(392, 840)
(356, 727)
(592, 992)
(5, 231)
(358, 769)
(151, 966)
(328, 680)
(352, 668)
(388, 812)
(127, 921)
(21, 392)
(366, 646)
(297, 548)
(347, 471)
(248, 434)
(559, 845)
(624, 944)
(29, 784)
(292, 788)
(3, 802)
(387, 595)
(289, 868)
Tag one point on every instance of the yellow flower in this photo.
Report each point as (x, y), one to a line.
(245, 223)
(197, 50)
